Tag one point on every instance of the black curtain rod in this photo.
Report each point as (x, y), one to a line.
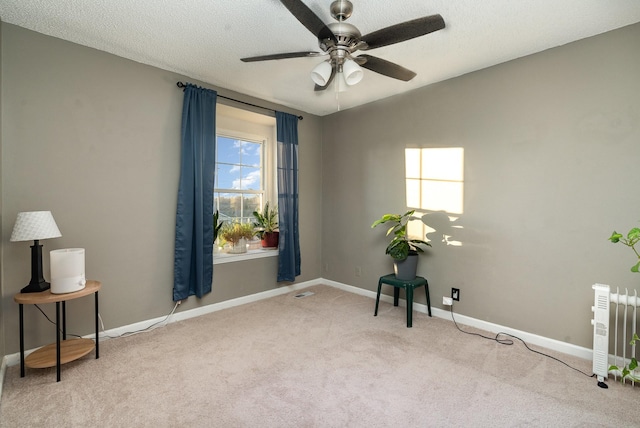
(183, 85)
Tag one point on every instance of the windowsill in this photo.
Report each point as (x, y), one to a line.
(219, 258)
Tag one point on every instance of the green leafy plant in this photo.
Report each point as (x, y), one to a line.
(217, 225)
(401, 244)
(632, 238)
(630, 241)
(627, 371)
(233, 233)
(265, 221)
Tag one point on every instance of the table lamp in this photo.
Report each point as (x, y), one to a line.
(35, 225)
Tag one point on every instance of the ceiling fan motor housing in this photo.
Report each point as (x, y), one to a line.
(347, 36)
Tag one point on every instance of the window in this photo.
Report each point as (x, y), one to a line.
(245, 170)
(239, 189)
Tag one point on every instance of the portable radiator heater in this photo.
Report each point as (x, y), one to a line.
(625, 322)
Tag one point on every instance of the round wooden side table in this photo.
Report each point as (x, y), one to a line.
(63, 351)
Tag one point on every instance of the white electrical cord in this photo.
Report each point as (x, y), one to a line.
(152, 327)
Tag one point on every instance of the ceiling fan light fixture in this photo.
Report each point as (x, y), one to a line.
(352, 72)
(321, 73)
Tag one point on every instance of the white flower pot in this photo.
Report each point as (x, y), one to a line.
(239, 247)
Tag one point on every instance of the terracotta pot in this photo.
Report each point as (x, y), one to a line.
(270, 239)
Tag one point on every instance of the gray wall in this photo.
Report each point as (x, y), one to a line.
(551, 146)
(95, 139)
(2, 316)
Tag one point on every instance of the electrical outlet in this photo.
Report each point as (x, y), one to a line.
(455, 294)
(358, 271)
(447, 301)
(326, 267)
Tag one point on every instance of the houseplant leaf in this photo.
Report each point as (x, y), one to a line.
(615, 237)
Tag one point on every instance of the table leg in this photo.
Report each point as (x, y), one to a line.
(409, 296)
(58, 341)
(97, 339)
(21, 310)
(426, 289)
(64, 320)
(396, 295)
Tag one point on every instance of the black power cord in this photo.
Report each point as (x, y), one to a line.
(59, 329)
(126, 334)
(509, 342)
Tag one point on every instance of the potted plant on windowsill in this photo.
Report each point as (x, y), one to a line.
(237, 235)
(403, 249)
(266, 226)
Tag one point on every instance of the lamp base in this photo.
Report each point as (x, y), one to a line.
(36, 287)
(37, 283)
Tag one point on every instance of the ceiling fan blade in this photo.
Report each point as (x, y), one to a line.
(309, 19)
(385, 68)
(322, 88)
(404, 31)
(281, 56)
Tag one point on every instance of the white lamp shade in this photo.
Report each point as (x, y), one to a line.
(34, 225)
(321, 73)
(352, 72)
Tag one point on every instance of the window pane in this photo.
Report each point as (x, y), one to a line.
(228, 150)
(251, 203)
(228, 176)
(230, 206)
(251, 179)
(251, 154)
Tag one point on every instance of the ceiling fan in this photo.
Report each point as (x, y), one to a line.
(340, 40)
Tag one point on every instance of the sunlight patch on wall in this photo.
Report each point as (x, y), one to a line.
(435, 179)
(435, 183)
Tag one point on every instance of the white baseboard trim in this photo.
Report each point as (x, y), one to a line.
(530, 338)
(244, 300)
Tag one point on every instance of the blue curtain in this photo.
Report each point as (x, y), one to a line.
(289, 245)
(193, 263)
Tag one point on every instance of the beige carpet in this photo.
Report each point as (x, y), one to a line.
(318, 361)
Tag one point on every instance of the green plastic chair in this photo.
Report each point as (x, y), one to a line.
(409, 286)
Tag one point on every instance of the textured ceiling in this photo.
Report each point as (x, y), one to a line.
(205, 39)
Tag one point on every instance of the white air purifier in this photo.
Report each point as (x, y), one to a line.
(67, 270)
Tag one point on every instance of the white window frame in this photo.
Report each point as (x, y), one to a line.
(265, 168)
(263, 130)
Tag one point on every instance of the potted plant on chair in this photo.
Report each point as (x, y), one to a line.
(403, 249)
(266, 226)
